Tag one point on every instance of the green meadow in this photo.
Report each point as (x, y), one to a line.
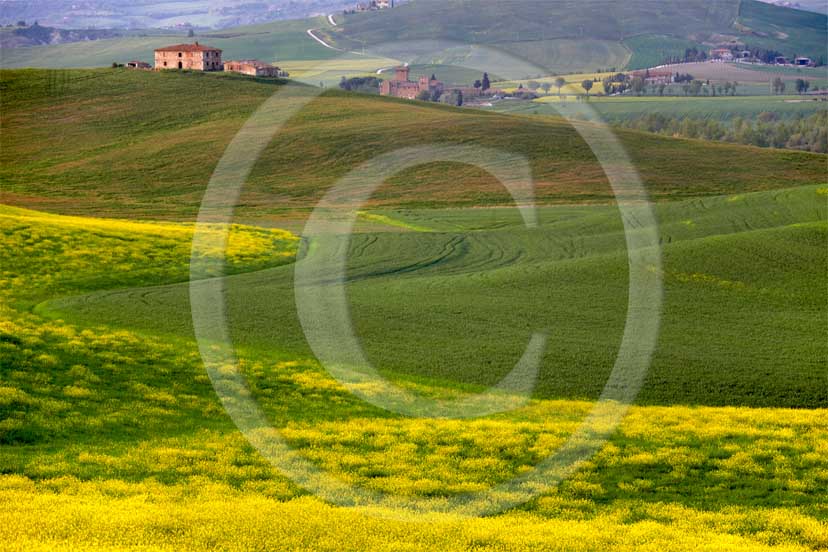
(723, 108)
(113, 436)
(68, 144)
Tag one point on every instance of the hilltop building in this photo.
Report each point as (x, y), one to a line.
(655, 76)
(724, 54)
(194, 57)
(373, 5)
(401, 87)
(254, 68)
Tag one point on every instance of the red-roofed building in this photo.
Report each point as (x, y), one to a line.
(194, 57)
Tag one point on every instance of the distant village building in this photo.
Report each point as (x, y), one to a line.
(724, 54)
(804, 62)
(401, 87)
(194, 57)
(655, 76)
(254, 68)
(138, 65)
(372, 5)
(781, 60)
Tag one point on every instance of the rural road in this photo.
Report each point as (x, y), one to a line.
(322, 42)
(380, 71)
(331, 20)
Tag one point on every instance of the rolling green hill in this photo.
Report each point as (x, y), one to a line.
(270, 42)
(513, 39)
(534, 30)
(116, 140)
(113, 437)
(719, 290)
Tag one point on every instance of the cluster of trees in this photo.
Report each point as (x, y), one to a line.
(366, 85)
(451, 97)
(767, 130)
(484, 83)
(764, 55)
(690, 55)
(801, 85)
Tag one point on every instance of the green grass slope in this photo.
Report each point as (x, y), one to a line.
(467, 281)
(789, 31)
(112, 142)
(96, 419)
(649, 28)
(270, 42)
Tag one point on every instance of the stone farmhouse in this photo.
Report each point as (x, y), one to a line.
(655, 76)
(724, 54)
(254, 68)
(401, 87)
(189, 56)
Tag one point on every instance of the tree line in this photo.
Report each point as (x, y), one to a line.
(767, 130)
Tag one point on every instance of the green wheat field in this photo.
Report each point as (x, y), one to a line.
(113, 436)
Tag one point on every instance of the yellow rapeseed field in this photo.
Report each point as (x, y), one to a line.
(114, 440)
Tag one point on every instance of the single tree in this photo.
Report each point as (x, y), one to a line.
(190, 33)
(478, 84)
(560, 82)
(486, 83)
(637, 85)
(587, 85)
(546, 87)
(533, 85)
(424, 96)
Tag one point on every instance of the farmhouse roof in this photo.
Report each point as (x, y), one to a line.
(188, 48)
(252, 62)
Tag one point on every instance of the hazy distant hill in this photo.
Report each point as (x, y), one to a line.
(36, 35)
(819, 6)
(135, 14)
